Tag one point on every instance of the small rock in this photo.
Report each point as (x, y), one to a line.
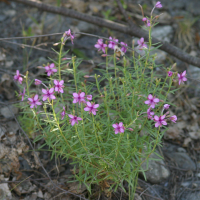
(3, 150)
(10, 13)
(12, 127)
(187, 141)
(95, 7)
(2, 131)
(194, 74)
(8, 111)
(2, 56)
(172, 133)
(8, 63)
(194, 135)
(40, 194)
(191, 196)
(76, 188)
(85, 27)
(47, 195)
(157, 170)
(182, 160)
(2, 18)
(163, 33)
(78, 5)
(5, 193)
(180, 149)
(137, 197)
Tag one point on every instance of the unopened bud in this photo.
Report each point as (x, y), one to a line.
(79, 91)
(56, 44)
(102, 95)
(66, 58)
(128, 94)
(82, 84)
(174, 65)
(85, 81)
(130, 129)
(104, 88)
(104, 55)
(87, 76)
(98, 76)
(133, 42)
(167, 113)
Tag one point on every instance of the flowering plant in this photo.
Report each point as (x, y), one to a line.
(102, 128)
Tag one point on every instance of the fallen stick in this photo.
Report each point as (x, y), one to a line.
(133, 30)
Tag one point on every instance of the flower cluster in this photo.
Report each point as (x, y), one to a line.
(160, 120)
(145, 19)
(181, 76)
(69, 34)
(18, 77)
(112, 45)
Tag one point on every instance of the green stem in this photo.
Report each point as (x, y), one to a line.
(59, 59)
(96, 134)
(74, 69)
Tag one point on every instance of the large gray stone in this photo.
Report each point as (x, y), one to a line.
(157, 171)
(8, 111)
(182, 160)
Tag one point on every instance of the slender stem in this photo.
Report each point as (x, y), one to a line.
(58, 125)
(59, 59)
(27, 86)
(74, 69)
(96, 134)
(83, 122)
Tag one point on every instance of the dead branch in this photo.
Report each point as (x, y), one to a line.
(131, 29)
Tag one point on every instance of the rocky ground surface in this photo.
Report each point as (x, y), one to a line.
(177, 177)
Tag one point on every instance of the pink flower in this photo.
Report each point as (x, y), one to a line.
(50, 69)
(150, 113)
(166, 106)
(48, 94)
(141, 44)
(152, 101)
(91, 107)
(63, 113)
(74, 119)
(170, 73)
(112, 43)
(89, 97)
(173, 118)
(123, 48)
(22, 94)
(144, 19)
(160, 121)
(118, 128)
(17, 77)
(34, 101)
(181, 77)
(158, 5)
(59, 86)
(147, 21)
(80, 97)
(37, 82)
(68, 33)
(100, 45)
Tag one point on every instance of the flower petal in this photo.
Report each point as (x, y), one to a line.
(44, 91)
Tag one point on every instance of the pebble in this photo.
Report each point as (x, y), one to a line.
(157, 171)
(182, 160)
(8, 111)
